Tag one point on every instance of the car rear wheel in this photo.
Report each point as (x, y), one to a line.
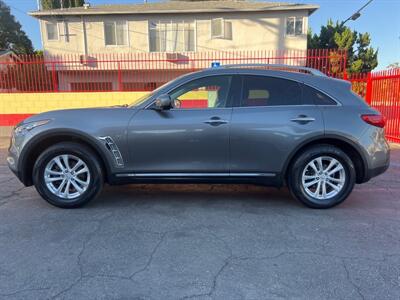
(68, 175)
(322, 176)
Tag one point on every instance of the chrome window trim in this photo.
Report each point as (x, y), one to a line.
(205, 108)
(295, 105)
(338, 103)
(269, 106)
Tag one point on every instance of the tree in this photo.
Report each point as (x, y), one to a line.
(32, 77)
(52, 4)
(361, 57)
(11, 34)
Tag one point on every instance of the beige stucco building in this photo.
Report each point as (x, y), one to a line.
(164, 29)
(175, 26)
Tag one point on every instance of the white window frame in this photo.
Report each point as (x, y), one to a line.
(302, 26)
(115, 25)
(47, 32)
(222, 35)
(171, 21)
(65, 31)
(195, 36)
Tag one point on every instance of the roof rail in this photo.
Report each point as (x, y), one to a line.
(311, 71)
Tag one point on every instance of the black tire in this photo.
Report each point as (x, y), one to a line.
(80, 151)
(301, 161)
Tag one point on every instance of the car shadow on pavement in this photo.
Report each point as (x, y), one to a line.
(188, 195)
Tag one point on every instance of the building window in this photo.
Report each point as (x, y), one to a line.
(140, 86)
(52, 31)
(66, 32)
(116, 33)
(217, 28)
(172, 36)
(91, 86)
(294, 26)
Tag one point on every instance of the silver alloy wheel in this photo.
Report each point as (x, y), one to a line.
(67, 176)
(323, 177)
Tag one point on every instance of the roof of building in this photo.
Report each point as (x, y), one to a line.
(176, 7)
(8, 53)
(5, 52)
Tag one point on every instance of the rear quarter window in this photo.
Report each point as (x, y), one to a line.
(312, 96)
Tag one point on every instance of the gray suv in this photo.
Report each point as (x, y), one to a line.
(235, 124)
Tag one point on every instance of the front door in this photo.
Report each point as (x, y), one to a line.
(190, 139)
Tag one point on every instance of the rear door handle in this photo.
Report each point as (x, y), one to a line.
(216, 121)
(303, 119)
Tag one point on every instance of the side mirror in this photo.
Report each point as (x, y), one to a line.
(163, 102)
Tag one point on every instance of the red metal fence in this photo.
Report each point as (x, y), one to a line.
(142, 71)
(383, 93)
(146, 71)
(381, 90)
(359, 83)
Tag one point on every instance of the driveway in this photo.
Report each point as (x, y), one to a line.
(200, 242)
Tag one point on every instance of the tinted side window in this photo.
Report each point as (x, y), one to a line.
(206, 92)
(270, 91)
(313, 97)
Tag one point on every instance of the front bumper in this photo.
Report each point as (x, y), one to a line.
(13, 156)
(13, 169)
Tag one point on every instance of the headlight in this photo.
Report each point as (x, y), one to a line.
(29, 126)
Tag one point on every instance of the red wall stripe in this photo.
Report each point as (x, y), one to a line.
(12, 119)
(194, 103)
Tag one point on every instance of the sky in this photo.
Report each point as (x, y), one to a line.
(381, 19)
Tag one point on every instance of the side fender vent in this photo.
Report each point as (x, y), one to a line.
(113, 148)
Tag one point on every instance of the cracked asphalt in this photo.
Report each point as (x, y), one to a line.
(200, 242)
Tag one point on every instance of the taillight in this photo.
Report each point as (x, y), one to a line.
(375, 120)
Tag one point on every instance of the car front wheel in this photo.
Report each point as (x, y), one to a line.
(68, 175)
(322, 176)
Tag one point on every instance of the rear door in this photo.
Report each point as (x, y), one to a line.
(268, 123)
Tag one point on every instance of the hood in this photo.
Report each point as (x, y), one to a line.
(79, 114)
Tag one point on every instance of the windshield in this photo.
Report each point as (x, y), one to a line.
(145, 97)
(141, 99)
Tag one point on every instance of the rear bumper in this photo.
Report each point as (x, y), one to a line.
(375, 172)
(376, 152)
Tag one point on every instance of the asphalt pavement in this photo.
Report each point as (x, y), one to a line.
(200, 242)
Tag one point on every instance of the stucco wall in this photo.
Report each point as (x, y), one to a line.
(246, 31)
(17, 106)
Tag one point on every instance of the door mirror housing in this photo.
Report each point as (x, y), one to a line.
(163, 102)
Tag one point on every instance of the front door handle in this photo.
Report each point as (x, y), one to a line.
(302, 119)
(215, 121)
